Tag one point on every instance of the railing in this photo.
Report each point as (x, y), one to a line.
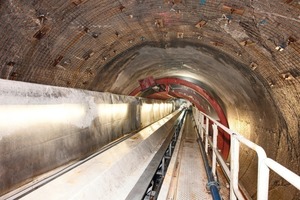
(264, 163)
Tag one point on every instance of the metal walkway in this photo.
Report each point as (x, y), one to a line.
(192, 178)
(186, 177)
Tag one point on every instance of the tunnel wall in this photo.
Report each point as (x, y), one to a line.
(44, 127)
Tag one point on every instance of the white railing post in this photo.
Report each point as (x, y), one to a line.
(201, 126)
(262, 175)
(214, 158)
(284, 172)
(234, 166)
(198, 124)
(206, 135)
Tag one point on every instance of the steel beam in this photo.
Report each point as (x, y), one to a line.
(223, 139)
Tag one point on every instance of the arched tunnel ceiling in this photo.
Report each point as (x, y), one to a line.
(245, 53)
(69, 43)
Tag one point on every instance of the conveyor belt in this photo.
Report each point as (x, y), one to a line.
(125, 170)
(113, 173)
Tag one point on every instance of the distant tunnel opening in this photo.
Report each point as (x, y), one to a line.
(172, 87)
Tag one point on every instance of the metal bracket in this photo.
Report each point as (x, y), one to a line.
(212, 183)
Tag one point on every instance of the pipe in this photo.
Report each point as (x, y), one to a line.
(212, 185)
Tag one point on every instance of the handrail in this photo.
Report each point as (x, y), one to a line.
(264, 163)
(282, 171)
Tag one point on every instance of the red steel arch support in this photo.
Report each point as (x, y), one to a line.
(199, 90)
(196, 103)
(223, 139)
(135, 91)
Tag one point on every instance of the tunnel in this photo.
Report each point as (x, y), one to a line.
(64, 62)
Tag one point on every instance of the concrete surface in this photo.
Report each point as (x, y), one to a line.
(112, 174)
(44, 127)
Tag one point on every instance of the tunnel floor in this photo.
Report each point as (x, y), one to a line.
(192, 178)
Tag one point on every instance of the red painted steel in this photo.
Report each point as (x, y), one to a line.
(147, 82)
(160, 95)
(223, 139)
(192, 100)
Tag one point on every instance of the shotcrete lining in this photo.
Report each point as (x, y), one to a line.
(266, 24)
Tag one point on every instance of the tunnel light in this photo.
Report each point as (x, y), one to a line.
(15, 117)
